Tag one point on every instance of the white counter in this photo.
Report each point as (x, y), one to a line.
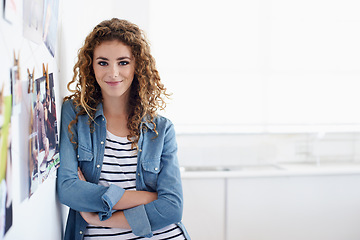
(279, 170)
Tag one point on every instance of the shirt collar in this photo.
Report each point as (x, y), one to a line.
(99, 111)
(148, 124)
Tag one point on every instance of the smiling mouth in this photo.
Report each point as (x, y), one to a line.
(113, 83)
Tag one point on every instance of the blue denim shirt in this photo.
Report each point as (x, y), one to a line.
(157, 171)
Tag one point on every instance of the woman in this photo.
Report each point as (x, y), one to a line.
(112, 142)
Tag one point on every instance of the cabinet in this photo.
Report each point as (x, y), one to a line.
(204, 208)
(297, 208)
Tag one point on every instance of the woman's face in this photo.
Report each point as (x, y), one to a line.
(114, 68)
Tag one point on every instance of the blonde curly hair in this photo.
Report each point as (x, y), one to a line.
(147, 92)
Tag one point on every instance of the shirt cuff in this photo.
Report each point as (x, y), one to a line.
(138, 221)
(110, 198)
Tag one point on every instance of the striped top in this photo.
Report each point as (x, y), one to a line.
(119, 168)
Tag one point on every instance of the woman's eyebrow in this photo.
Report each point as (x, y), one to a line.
(119, 58)
(102, 58)
(122, 58)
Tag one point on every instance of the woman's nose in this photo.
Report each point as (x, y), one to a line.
(114, 71)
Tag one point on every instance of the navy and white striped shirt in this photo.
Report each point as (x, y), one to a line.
(119, 168)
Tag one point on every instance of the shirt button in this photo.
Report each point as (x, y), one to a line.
(98, 166)
(156, 169)
(138, 174)
(103, 119)
(140, 150)
(102, 142)
(78, 156)
(81, 232)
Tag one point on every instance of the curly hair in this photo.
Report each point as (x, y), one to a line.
(147, 92)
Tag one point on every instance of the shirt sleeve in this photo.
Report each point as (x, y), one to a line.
(80, 195)
(167, 209)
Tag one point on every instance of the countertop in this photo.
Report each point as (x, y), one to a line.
(275, 170)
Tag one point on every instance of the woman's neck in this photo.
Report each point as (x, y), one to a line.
(116, 114)
(115, 107)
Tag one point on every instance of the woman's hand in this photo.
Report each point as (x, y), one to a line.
(117, 220)
(81, 175)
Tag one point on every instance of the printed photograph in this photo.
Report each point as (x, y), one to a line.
(10, 10)
(43, 140)
(33, 20)
(5, 162)
(33, 149)
(50, 24)
(16, 90)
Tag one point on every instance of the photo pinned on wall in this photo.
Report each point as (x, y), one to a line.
(10, 10)
(33, 11)
(16, 90)
(43, 139)
(5, 160)
(16, 86)
(50, 24)
(33, 148)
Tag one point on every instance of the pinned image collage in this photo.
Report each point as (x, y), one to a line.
(27, 120)
(28, 125)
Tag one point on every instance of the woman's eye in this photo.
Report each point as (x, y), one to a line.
(123, 63)
(102, 63)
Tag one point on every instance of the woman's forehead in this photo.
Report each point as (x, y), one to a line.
(113, 48)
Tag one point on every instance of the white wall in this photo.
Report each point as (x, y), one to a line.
(259, 66)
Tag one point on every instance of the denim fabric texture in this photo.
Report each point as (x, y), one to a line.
(157, 171)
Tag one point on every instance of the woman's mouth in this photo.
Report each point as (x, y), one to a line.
(113, 83)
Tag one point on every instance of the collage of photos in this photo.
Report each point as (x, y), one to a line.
(30, 103)
(29, 149)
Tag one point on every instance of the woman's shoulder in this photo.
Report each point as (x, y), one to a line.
(159, 122)
(68, 106)
(159, 119)
(163, 123)
(68, 103)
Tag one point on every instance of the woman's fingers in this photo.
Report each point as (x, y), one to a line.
(81, 175)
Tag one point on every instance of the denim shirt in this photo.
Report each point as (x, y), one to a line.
(157, 171)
